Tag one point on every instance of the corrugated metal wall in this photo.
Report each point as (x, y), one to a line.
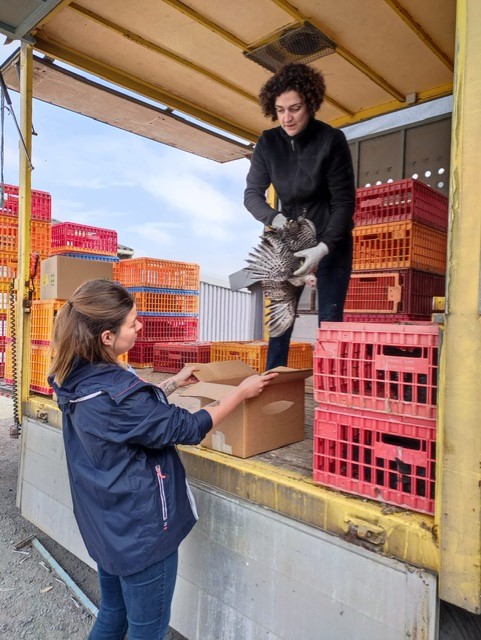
(224, 314)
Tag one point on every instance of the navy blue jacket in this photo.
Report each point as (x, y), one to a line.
(129, 490)
(312, 174)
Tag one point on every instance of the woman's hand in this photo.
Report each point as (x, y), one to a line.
(254, 385)
(181, 379)
(185, 376)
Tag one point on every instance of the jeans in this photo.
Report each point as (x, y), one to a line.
(333, 275)
(138, 604)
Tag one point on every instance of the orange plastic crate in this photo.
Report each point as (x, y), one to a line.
(71, 236)
(407, 291)
(40, 360)
(43, 314)
(172, 356)
(383, 367)
(39, 237)
(255, 354)
(401, 200)
(399, 245)
(172, 302)
(377, 455)
(8, 360)
(152, 272)
(41, 203)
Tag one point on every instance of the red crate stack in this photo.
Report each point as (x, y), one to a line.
(375, 426)
(40, 237)
(166, 293)
(399, 261)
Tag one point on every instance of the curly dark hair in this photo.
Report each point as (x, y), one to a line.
(295, 76)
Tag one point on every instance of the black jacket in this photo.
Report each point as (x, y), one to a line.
(129, 491)
(312, 174)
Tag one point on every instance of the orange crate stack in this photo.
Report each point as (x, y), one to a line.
(156, 273)
(399, 245)
(166, 293)
(255, 354)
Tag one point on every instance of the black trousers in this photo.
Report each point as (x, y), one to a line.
(333, 275)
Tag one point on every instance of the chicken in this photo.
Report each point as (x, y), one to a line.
(273, 263)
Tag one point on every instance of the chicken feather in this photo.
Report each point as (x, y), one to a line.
(273, 263)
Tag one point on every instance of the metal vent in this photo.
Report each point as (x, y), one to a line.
(299, 44)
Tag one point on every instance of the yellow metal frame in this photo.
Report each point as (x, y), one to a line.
(22, 382)
(458, 510)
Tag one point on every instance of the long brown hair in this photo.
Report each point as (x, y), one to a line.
(96, 306)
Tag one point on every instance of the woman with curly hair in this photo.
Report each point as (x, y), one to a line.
(310, 166)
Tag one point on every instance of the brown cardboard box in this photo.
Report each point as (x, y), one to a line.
(61, 275)
(273, 419)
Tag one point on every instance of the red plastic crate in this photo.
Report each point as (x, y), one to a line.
(168, 329)
(380, 456)
(399, 245)
(71, 236)
(41, 203)
(172, 356)
(407, 291)
(401, 200)
(152, 272)
(141, 355)
(390, 318)
(384, 367)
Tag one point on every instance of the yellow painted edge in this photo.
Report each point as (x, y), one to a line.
(402, 534)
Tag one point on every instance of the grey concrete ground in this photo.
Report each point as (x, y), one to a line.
(34, 603)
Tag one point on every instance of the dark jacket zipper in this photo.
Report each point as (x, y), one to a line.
(163, 500)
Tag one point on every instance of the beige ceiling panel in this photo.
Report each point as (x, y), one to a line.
(174, 31)
(375, 34)
(354, 91)
(249, 20)
(383, 53)
(112, 49)
(435, 16)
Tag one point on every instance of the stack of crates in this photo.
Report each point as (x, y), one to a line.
(375, 426)
(400, 242)
(40, 236)
(42, 318)
(84, 241)
(254, 353)
(166, 293)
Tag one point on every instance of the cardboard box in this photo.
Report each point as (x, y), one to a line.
(61, 275)
(273, 419)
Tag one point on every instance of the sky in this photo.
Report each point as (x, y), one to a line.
(163, 203)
